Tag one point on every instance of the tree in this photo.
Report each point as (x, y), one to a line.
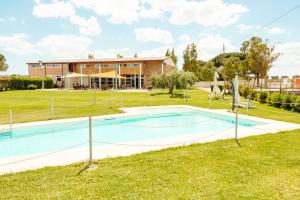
(190, 58)
(207, 72)
(91, 56)
(3, 65)
(172, 55)
(259, 57)
(135, 55)
(119, 56)
(172, 79)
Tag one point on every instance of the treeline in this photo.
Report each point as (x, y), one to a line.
(254, 60)
(24, 83)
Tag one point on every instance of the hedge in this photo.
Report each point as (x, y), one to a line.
(279, 100)
(22, 83)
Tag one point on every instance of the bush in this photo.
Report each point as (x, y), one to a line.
(276, 99)
(262, 96)
(22, 83)
(31, 87)
(4, 84)
(296, 104)
(287, 101)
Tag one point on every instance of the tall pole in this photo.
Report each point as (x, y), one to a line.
(43, 76)
(119, 72)
(236, 122)
(99, 76)
(140, 76)
(90, 141)
(10, 120)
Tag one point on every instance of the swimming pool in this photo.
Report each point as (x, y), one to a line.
(166, 123)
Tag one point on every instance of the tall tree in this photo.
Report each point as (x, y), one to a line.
(3, 65)
(119, 56)
(190, 58)
(259, 57)
(168, 53)
(174, 57)
(135, 55)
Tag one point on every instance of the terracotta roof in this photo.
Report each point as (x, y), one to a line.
(102, 60)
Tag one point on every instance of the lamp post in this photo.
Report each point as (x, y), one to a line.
(42, 67)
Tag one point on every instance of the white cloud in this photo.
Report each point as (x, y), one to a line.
(159, 51)
(63, 9)
(185, 38)
(276, 30)
(210, 45)
(18, 44)
(125, 11)
(111, 53)
(288, 62)
(64, 46)
(206, 13)
(58, 9)
(9, 19)
(244, 28)
(86, 26)
(52, 46)
(153, 35)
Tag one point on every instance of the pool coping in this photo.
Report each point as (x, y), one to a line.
(68, 156)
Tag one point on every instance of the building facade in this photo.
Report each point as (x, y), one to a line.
(102, 73)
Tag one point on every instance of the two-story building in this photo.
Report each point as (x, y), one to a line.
(102, 73)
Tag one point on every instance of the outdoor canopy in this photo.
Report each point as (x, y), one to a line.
(75, 75)
(109, 74)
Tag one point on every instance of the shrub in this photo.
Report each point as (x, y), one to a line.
(22, 83)
(31, 87)
(287, 101)
(269, 99)
(4, 83)
(276, 100)
(296, 104)
(262, 96)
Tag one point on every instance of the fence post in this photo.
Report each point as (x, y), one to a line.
(10, 120)
(210, 96)
(236, 122)
(90, 141)
(248, 101)
(52, 106)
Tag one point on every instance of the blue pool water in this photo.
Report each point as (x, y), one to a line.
(55, 137)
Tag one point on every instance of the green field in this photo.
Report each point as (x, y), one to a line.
(36, 105)
(264, 167)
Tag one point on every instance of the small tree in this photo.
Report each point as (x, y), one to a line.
(3, 65)
(172, 79)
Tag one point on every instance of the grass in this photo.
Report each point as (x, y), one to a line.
(264, 167)
(36, 105)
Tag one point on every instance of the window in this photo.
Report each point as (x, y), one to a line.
(133, 65)
(58, 78)
(35, 65)
(53, 65)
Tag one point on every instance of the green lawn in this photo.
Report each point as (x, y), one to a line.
(264, 167)
(35, 105)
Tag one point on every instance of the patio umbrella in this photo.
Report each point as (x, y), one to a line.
(109, 74)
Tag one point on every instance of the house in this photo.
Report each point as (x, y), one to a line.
(102, 73)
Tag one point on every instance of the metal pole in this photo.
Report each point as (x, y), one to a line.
(52, 106)
(247, 104)
(236, 122)
(10, 120)
(210, 103)
(90, 141)
(94, 99)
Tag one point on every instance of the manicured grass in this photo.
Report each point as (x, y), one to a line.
(36, 105)
(264, 167)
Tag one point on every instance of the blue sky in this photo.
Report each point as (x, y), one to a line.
(56, 29)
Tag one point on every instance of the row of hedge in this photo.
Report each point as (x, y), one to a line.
(24, 83)
(279, 100)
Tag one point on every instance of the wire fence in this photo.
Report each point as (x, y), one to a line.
(22, 144)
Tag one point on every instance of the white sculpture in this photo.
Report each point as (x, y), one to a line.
(216, 90)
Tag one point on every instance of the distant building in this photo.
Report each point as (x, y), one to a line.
(102, 73)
